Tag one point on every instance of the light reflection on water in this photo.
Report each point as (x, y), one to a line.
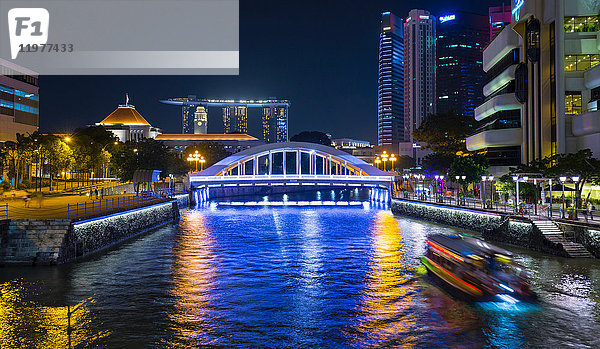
(26, 324)
(287, 277)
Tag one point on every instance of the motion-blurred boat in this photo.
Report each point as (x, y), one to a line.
(476, 270)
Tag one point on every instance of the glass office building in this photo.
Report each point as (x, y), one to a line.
(390, 92)
(461, 39)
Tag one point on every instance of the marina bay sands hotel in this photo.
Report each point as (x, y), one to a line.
(194, 114)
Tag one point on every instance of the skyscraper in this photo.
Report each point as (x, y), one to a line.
(390, 92)
(235, 119)
(499, 17)
(461, 39)
(274, 121)
(419, 71)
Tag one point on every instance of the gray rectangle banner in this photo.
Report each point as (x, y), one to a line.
(125, 37)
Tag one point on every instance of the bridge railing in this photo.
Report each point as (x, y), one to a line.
(292, 177)
(4, 211)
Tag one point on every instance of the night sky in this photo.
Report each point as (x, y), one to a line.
(321, 55)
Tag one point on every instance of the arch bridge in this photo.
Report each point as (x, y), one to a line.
(286, 167)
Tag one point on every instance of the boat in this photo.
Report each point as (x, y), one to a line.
(476, 270)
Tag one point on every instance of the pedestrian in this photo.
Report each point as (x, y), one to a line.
(590, 209)
(26, 198)
(585, 211)
(101, 193)
(96, 193)
(91, 194)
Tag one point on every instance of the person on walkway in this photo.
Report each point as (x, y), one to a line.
(91, 194)
(26, 198)
(39, 196)
(585, 211)
(590, 209)
(96, 193)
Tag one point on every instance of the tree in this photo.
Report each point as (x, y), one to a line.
(56, 153)
(470, 166)
(438, 162)
(212, 152)
(147, 154)
(312, 137)
(445, 132)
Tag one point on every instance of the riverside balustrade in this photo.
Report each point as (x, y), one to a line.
(4, 211)
(81, 211)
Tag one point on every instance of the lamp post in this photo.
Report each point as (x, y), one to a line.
(482, 191)
(392, 159)
(437, 178)
(575, 180)
(516, 179)
(491, 179)
(457, 189)
(377, 162)
(202, 161)
(563, 179)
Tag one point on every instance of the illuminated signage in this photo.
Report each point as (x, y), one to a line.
(516, 10)
(447, 18)
(424, 17)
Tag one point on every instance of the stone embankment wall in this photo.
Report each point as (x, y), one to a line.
(52, 241)
(495, 227)
(587, 235)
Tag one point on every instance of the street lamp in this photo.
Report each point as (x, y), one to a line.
(202, 161)
(574, 195)
(392, 159)
(516, 179)
(377, 162)
(563, 179)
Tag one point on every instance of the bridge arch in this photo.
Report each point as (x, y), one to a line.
(292, 158)
(288, 167)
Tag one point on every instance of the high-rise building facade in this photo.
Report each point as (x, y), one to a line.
(543, 84)
(274, 122)
(235, 119)
(419, 72)
(499, 16)
(19, 101)
(461, 38)
(390, 91)
(195, 112)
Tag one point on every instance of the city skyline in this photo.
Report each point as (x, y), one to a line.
(328, 94)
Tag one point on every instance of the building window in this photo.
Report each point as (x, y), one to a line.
(572, 102)
(581, 24)
(595, 94)
(580, 62)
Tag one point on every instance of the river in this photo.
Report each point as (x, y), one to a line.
(286, 277)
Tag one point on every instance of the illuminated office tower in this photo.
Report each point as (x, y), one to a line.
(235, 119)
(200, 120)
(462, 36)
(419, 72)
(390, 90)
(275, 123)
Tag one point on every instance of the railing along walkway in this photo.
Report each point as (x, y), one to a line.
(84, 210)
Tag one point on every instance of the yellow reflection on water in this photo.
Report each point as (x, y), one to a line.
(193, 278)
(24, 324)
(385, 315)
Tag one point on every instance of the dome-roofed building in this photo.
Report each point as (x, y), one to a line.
(128, 124)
